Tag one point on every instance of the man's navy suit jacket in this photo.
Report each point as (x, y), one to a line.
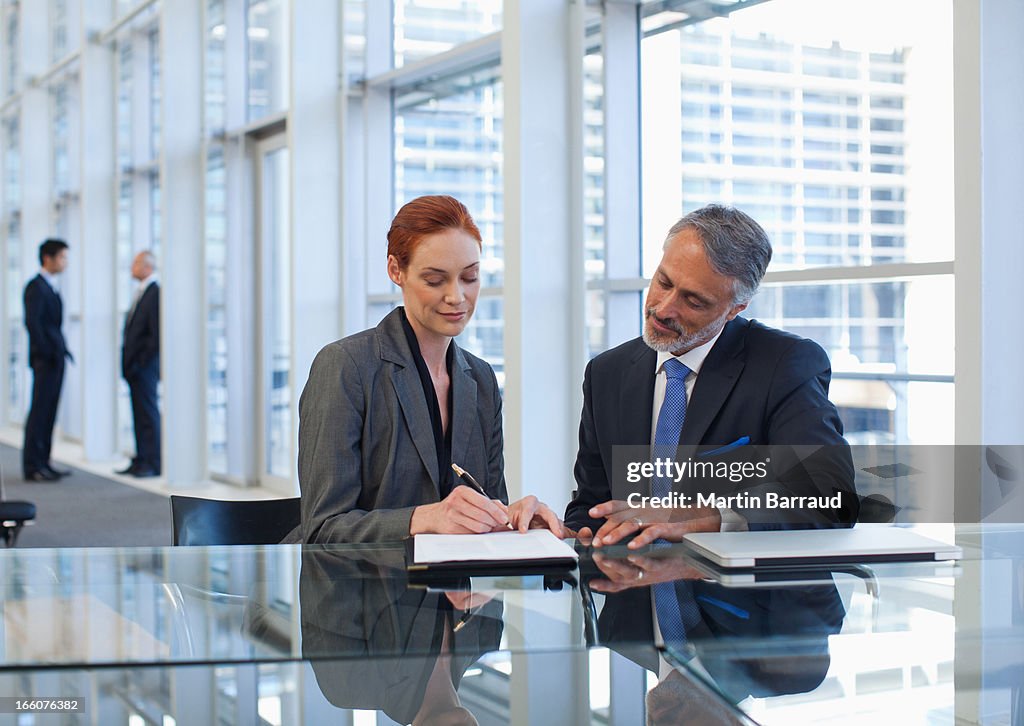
(44, 313)
(756, 382)
(789, 625)
(142, 333)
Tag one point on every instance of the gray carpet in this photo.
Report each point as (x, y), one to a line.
(84, 510)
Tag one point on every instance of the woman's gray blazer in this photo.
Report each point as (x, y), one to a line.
(367, 456)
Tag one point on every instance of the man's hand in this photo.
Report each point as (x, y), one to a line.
(531, 513)
(640, 571)
(649, 524)
(464, 511)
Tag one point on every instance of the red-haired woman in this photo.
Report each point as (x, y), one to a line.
(387, 411)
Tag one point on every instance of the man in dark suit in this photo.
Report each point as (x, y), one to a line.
(705, 387)
(47, 349)
(140, 366)
(731, 392)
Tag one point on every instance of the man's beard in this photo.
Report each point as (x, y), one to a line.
(684, 341)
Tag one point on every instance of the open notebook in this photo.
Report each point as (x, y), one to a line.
(535, 550)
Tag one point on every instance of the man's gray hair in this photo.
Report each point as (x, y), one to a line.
(735, 244)
(149, 258)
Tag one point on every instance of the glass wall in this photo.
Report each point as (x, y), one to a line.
(448, 141)
(137, 112)
(266, 57)
(834, 133)
(802, 115)
(424, 28)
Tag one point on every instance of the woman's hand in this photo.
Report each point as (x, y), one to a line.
(531, 513)
(464, 511)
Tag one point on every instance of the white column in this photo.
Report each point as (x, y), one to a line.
(354, 161)
(183, 309)
(35, 138)
(1002, 237)
(540, 426)
(543, 322)
(989, 175)
(240, 289)
(378, 161)
(314, 143)
(100, 330)
(36, 141)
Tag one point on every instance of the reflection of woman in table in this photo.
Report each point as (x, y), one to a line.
(387, 411)
(374, 643)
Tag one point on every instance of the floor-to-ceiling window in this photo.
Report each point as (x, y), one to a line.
(837, 138)
(136, 49)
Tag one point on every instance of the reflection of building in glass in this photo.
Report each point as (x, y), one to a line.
(448, 140)
(810, 142)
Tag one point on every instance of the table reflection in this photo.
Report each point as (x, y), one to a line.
(391, 647)
(756, 641)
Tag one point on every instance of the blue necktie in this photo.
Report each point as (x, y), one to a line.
(670, 421)
(673, 602)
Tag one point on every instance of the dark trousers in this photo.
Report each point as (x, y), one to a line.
(146, 415)
(47, 379)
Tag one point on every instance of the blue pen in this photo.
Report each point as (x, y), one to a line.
(741, 441)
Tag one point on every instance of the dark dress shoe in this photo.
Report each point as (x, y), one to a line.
(145, 473)
(42, 475)
(130, 469)
(59, 472)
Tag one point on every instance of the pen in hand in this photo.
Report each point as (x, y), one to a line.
(472, 483)
(468, 479)
(463, 620)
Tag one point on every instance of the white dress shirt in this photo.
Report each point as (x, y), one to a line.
(694, 360)
(51, 280)
(139, 291)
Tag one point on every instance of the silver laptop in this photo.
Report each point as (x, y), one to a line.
(809, 575)
(860, 545)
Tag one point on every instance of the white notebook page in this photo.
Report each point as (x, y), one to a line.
(537, 544)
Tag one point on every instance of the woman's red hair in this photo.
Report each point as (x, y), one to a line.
(423, 216)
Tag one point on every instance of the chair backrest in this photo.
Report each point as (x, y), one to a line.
(198, 521)
(13, 515)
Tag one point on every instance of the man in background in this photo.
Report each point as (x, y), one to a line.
(140, 366)
(47, 349)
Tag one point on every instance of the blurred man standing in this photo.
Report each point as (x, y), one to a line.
(140, 366)
(47, 349)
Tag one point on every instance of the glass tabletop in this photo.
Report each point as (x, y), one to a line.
(243, 604)
(933, 643)
(887, 643)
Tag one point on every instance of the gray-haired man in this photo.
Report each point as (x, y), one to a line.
(140, 366)
(725, 388)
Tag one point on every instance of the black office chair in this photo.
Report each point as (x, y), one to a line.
(198, 521)
(13, 516)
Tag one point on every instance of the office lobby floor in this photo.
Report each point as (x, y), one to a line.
(95, 507)
(70, 454)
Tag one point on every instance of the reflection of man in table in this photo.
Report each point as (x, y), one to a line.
(756, 641)
(705, 379)
(375, 643)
